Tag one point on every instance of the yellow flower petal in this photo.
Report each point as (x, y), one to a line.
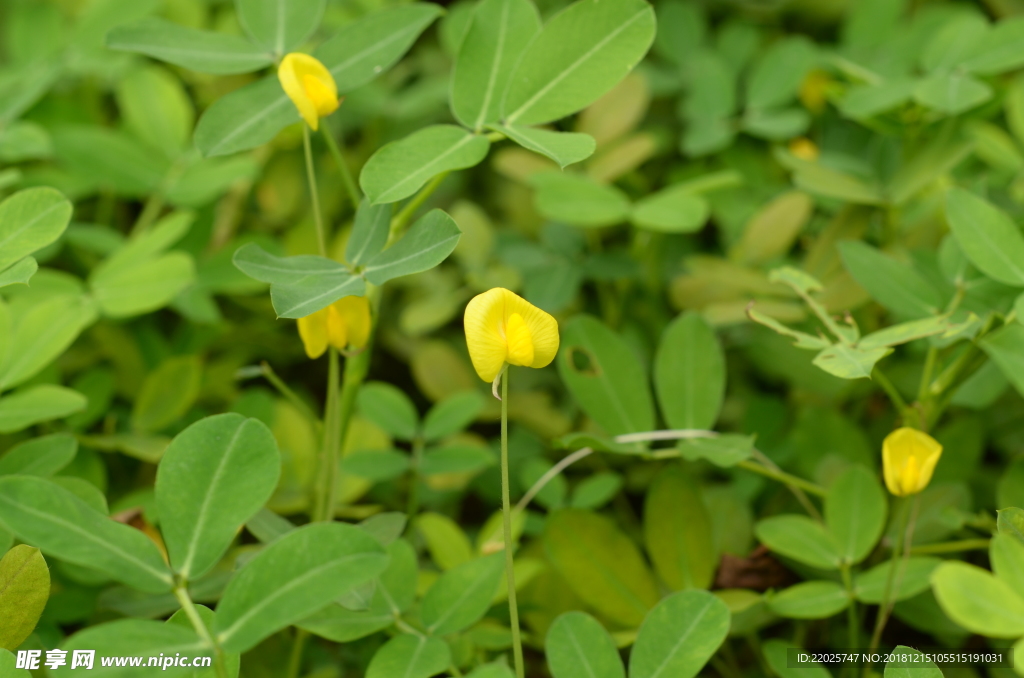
(909, 457)
(486, 322)
(313, 331)
(337, 333)
(354, 313)
(309, 85)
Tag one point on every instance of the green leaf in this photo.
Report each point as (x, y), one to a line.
(597, 490)
(601, 565)
(369, 232)
(986, 236)
(1011, 521)
(461, 596)
(679, 636)
(799, 538)
(400, 168)
(410, 656)
(903, 333)
(358, 53)
(578, 200)
(978, 601)
(376, 465)
(580, 54)
(448, 545)
(847, 362)
(951, 93)
(925, 167)
(109, 159)
(457, 459)
(429, 242)
(23, 140)
(855, 513)
(8, 664)
(24, 590)
(45, 331)
(677, 531)
(906, 662)
(387, 406)
(689, 373)
(795, 278)
(565, 148)
(770, 233)
(203, 51)
(867, 100)
(778, 73)
(451, 415)
(896, 286)
(232, 660)
(30, 220)
(497, 34)
(724, 450)
(776, 124)
(341, 625)
(676, 209)
(803, 340)
(292, 578)
(280, 25)
(214, 476)
(300, 285)
(50, 517)
(167, 394)
(810, 600)
(1005, 348)
(133, 637)
(41, 456)
(19, 273)
(831, 183)
(38, 404)
(775, 652)
(605, 377)
(156, 107)
(577, 646)
(1006, 554)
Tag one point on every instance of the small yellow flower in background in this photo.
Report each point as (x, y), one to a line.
(803, 148)
(814, 89)
(909, 457)
(310, 86)
(502, 327)
(343, 324)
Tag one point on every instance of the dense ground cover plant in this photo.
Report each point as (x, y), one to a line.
(510, 337)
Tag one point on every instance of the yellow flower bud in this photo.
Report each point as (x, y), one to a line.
(344, 324)
(502, 327)
(309, 85)
(909, 457)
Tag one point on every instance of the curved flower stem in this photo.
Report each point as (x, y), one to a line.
(185, 600)
(506, 511)
(414, 478)
(270, 375)
(851, 609)
(346, 173)
(783, 477)
(313, 192)
(951, 547)
(551, 473)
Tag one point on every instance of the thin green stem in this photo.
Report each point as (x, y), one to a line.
(414, 478)
(951, 547)
(851, 609)
(323, 507)
(185, 600)
(314, 193)
(783, 477)
(904, 541)
(407, 212)
(295, 659)
(926, 375)
(506, 511)
(346, 174)
(356, 368)
(879, 376)
(270, 375)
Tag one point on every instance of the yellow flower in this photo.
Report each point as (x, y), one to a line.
(502, 327)
(309, 85)
(804, 148)
(909, 457)
(343, 324)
